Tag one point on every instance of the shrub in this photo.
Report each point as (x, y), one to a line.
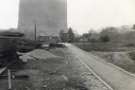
(105, 38)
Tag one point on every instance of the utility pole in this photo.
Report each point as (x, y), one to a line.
(35, 32)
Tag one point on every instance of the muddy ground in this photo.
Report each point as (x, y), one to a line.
(64, 73)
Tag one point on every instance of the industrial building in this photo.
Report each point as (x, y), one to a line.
(45, 17)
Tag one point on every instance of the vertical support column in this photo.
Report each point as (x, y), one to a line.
(9, 80)
(35, 32)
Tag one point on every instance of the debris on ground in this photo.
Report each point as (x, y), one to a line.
(38, 54)
(50, 71)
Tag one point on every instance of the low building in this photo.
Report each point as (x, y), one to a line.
(48, 39)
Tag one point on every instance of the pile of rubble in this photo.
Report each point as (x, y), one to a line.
(37, 54)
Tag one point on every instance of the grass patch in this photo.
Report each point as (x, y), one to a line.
(120, 59)
(99, 46)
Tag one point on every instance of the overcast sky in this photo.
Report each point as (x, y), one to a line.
(8, 13)
(82, 14)
(86, 14)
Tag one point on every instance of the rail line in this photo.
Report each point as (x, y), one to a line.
(96, 75)
(93, 72)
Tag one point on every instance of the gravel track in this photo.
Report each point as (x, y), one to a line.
(91, 81)
(116, 77)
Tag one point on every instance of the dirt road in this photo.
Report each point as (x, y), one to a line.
(116, 77)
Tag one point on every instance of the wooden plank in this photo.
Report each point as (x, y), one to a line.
(2, 70)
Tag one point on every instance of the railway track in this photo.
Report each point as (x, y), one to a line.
(96, 75)
(112, 76)
(91, 71)
(88, 74)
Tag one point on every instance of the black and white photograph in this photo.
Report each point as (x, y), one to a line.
(67, 44)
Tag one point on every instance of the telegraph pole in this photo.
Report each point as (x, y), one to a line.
(35, 32)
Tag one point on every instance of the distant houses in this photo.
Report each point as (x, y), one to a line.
(48, 39)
